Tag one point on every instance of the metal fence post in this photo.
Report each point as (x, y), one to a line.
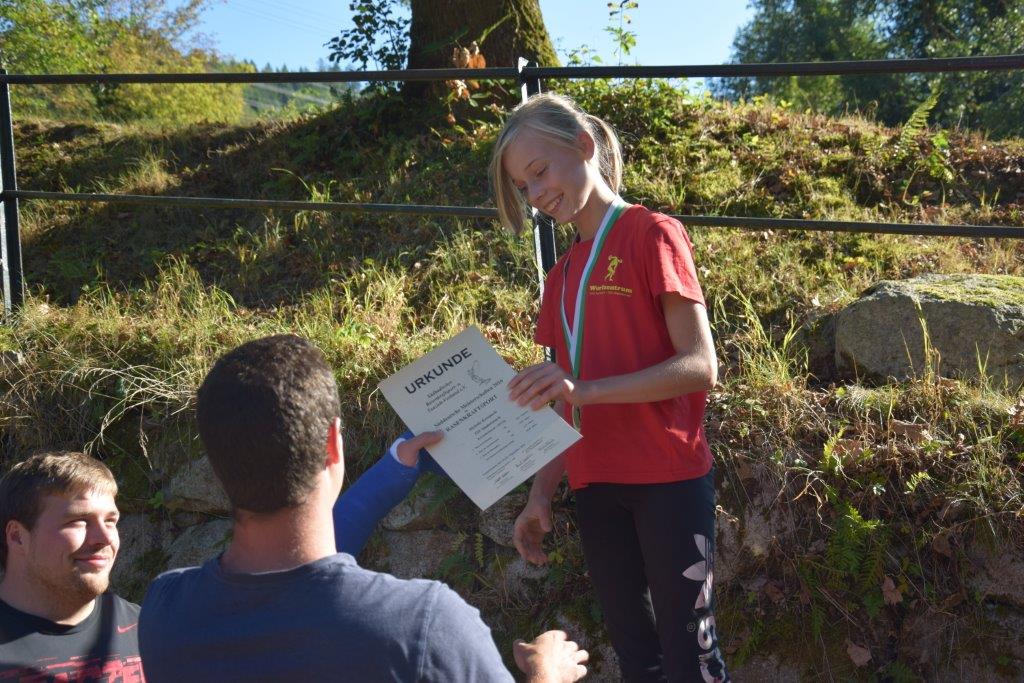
(543, 226)
(10, 232)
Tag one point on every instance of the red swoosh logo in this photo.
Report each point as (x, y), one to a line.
(125, 629)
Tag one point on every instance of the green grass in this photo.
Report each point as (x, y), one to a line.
(129, 306)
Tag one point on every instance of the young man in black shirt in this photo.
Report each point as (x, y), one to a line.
(59, 541)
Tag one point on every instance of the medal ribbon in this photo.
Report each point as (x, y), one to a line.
(574, 333)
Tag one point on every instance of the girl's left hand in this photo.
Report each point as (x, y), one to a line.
(539, 384)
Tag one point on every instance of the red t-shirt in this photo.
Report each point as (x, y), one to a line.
(645, 254)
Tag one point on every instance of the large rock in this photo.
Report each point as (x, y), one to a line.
(141, 556)
(998, 573)
(498, 522)
(11, 359)
(1005, 624)
(728, 548)
(197, 544)
(967, 317)
(173, 444)
(603, 666)
(195, 488)
(424, 508)
(978, 668)
(929, 638)
(419, 554)
(766, 667)
(522, 582)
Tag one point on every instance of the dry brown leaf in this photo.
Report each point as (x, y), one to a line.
(1017, 413)
(952, 601)
(940, 544)
(953, 511)
(743, 469)
(890, 592)
(860, 656)
(847, 449)
(913, 432)
(772, 590)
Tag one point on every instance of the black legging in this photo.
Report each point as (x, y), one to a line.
(650, 553)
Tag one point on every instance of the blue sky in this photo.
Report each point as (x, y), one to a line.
(293, 32)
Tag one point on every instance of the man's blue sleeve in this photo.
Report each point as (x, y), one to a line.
(368, 500)
(372, 496)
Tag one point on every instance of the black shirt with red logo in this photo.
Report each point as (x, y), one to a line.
(103, 647)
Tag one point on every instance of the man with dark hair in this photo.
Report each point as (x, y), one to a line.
(280, 603)
(59, 542)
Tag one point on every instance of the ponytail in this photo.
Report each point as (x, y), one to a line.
(609, 150)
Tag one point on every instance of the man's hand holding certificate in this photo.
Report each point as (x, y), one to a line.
(491, 445)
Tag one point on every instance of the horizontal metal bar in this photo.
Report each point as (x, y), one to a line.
(226, 203)
(287, 77)
(850, 67)
(921, 229)
(745, 222)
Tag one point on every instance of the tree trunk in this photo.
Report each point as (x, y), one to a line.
(504, 29)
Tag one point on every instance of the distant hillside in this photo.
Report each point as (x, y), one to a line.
(275, 100)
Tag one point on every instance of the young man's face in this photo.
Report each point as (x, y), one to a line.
(71, 549)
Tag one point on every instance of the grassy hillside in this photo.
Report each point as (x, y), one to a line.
(129, 306)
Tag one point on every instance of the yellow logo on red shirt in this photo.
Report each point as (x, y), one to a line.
(613, 264)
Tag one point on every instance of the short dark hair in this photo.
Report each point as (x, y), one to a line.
(52, 473)
(264, 410)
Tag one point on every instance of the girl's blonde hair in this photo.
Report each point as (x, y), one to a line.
(560, 120)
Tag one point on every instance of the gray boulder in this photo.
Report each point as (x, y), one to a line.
(199, 543)
(141, 556)
(520, 582)
(498, 521)
(419, 511)
(968, 318)
(603, 666)
(195, 488)
(11, 359)
(766, 667)
(998, 575)
(419, 554)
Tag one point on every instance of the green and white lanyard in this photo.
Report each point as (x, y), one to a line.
(574, 334)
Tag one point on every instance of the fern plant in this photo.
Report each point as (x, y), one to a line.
(849, 547)
(936, 162)
(915, 125)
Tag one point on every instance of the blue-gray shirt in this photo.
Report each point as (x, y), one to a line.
(327, 620)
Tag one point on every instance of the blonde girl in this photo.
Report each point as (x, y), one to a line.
(625, 315)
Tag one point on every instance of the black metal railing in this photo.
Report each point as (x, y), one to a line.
(528, 76)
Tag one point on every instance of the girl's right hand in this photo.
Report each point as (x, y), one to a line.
(532, 524)
(542, 383)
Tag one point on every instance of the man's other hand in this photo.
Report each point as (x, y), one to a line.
(551, 658)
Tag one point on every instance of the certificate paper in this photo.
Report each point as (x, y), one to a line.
(491, 445)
